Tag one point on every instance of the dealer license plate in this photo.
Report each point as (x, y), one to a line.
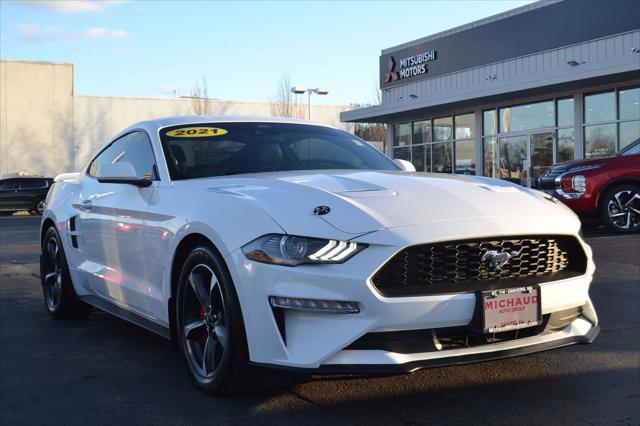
(511, 309)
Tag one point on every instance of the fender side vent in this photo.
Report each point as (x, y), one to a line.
(73, 231)
(278, 315)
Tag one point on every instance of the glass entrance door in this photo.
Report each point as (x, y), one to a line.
(513, 159)
(522, 159)
(541, 154)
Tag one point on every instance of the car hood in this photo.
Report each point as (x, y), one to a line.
(567, 165)
(366, 201)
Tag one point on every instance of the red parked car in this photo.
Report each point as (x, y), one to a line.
(606, 190)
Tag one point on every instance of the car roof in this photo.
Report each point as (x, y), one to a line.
(194, 119)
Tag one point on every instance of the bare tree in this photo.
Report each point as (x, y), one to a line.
(284, 103)
(373, 132)
(200, 98)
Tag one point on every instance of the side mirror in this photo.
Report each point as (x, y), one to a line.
(405, 165)
(120, 172)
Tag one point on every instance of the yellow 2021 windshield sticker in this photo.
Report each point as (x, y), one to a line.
(197, 132)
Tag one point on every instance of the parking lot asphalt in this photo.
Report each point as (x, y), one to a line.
(105, 371)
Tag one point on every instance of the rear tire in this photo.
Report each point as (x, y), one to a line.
(620, 208)
(60, 298)
(39, 207)
(210, 327)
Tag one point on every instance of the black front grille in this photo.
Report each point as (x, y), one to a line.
(546, 183)
(548, 179)
(457, 266)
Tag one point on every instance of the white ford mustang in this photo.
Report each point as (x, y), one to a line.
(255, 243)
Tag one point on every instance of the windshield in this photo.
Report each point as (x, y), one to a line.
(204, 150)
(631, 149)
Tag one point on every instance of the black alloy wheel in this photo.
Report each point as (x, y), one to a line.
(52, 274)
(40, 206)
(210, 328)
(205, 328)
(60, 298)
(620, 208)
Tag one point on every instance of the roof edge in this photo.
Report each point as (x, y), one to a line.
(28, 61)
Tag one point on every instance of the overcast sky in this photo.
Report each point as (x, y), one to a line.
(149, 48)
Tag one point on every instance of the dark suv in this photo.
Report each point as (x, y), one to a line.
(24, 193)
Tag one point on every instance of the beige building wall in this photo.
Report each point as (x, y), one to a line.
(36, 117)
(45, 129)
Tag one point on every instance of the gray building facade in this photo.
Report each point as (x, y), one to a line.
(512, 94)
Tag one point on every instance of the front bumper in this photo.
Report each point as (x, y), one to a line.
(381, 362)
(584, 206)
(315, 341)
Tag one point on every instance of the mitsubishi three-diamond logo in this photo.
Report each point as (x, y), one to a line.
(391, 74)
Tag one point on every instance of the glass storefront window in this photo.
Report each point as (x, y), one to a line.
(465, 157)
(540, 154)
(513, 159)
(419, 157)
(442, 157)
(565, 112)
(402, 153)
(600, 140)
(629, 132)
(489, 122)
(629, 101)
(527, 117)
(600, 107)
(566, 145)
(489, 157)
(443, 129)
(402, 134)
(421, 132)
(465, 126)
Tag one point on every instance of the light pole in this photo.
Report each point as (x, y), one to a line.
(318, 91)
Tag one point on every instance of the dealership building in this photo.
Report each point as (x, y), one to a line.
(512, 94)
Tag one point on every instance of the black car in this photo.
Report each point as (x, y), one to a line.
(24, 193)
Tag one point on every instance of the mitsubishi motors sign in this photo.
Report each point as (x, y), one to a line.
(410, 66)
(506, 38)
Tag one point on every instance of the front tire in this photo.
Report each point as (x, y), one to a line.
(620, 208)
(210, 328)
(60, 298)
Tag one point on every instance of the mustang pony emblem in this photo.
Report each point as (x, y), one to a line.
(495, 260)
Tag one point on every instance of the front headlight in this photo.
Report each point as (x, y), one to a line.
(290, 250)
(579, 183)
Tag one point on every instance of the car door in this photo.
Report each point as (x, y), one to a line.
(29, 190)
(8, 194)
(113, 220)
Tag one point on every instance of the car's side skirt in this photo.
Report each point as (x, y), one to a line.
(126, 315)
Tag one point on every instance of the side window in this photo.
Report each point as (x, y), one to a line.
(8, 184)
(25, 184)
(32, 183)
(134, 148)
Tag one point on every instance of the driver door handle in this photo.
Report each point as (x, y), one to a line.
(86, 205)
